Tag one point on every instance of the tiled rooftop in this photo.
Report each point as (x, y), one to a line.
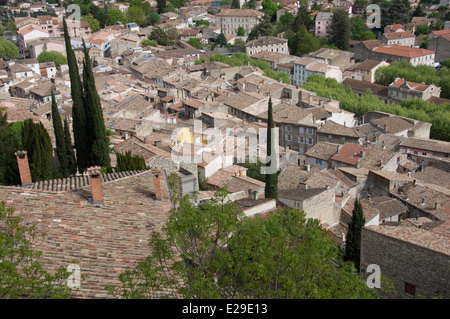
(423, 238)
(104, 240)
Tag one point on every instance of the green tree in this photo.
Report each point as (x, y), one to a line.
(99, 14)
(201, 23)
(269, 8)
(52, 56)
(114, 15)
(212, 251)
(161, 5)
(286, 19)
(149, 43)
(70, 155)
(8, 49)
(340, 29)
(235, 4)
(135, 14)
(240, 32)
(195, 42)
(37, 142)
(99, 148)
(9, 144)
(221, 40)
(356, 27)
(271, 189)
(398, 12)
(94, 24)
(128, 162)
(418, 12)
(303, 42)
(80, 130)
(302, 19)
(446, 63)
(353, 241)
(263, 28)
(153, 18)
(159, 36)
(367, 35)
(21, 272)
(61, 152)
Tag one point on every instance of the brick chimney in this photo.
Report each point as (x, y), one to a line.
(24, 167)
(157, 181)
(96, 184)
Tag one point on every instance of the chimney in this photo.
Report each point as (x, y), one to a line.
(437, 205)
(423, 201)
(24, 167)
(95, 177)
(240, 173)
(252, 194)
(308, 168)
(157, 181)
(385, 128)
(363, 153)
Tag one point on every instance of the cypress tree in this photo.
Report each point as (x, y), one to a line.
(271, 189)
(37, 142)
(93, 110)
(353, 242)
(70, 156)
(61, 152)
(81, 136)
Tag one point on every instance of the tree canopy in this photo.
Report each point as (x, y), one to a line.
(8, 49)
(437, 115)
(213, 251)
(52, 56)
(21, 272)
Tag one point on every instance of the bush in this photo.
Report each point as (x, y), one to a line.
(52, 56)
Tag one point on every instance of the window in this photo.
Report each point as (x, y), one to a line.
(301, 130)
(410, 289)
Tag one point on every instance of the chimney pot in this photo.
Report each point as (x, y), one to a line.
(96, 184)
(24, 167)
(157, 181)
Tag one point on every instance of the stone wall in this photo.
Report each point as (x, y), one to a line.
(402, 262)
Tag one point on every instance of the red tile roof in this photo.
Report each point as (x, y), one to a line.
(350, 153)
(403, 51)
(413, 86)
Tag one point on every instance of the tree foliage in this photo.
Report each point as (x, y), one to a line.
(8, 49)
(437, 115)
(419, 73)
(114, 15)
(271, 188)
(340, 29)
(212, 251)
(353, 242)
(52, 56)
(135, 14)
(98, 139)
(149, 43)
(240, 58)
(195, 42)
(240, 32)
(37, 142)
(94, 24)
(10, 140)
(61, 152)
(128, 162)
(21, 273)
